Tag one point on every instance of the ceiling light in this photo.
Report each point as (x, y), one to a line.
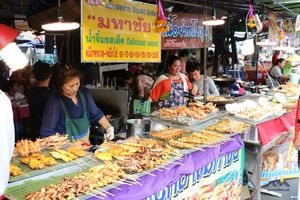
(9, 50)
(60, 25)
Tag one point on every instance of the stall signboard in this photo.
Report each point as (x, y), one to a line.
(186, 32)
(220, 179)
(281, 161)
(119, 31)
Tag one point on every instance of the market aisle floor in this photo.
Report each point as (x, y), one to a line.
(288, 190)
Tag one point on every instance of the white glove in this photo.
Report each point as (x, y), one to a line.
(110, 133)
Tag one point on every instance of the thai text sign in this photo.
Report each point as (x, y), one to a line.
(281, 161)
(220, 179)
(119, 31)
(186, 31)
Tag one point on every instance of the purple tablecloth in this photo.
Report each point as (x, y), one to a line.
(191, 163)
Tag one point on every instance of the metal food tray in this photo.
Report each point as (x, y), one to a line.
(170, 123)
(270, 117)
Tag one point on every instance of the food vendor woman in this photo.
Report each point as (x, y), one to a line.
(169, 88)
(71, 108)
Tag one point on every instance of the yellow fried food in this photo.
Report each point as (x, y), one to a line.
(103, 155)
(25, 160)
(14, 170)
(49, 161)
(36, 164)
(76, 151)
(60, 156)
(70, 155)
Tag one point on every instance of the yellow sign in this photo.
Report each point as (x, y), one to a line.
(119, 31)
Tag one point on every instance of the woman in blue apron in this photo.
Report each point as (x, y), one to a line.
(71, 109)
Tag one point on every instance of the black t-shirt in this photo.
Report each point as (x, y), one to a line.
(37, 99)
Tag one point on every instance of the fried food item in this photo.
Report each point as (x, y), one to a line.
(26, 147)
(229, 126)
(105, 156)
(76, 151)
(38, 161)
(36, 164)
(58, 155)
(181, 145)
(53, 141)
(70, 155)
(49, 161)
(81, 184)
(169, 133)
(14, 170)
(25, 160)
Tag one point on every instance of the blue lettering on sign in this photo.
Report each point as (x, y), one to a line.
(164, 194)
(228, 160)
(235, 156)
(208, 169)
(181, 185)
(197, 176)
(192, 30)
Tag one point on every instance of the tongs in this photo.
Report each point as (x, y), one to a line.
(191, 96)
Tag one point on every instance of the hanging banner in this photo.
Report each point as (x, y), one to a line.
(119, 31)
(186, 32)
(220, 179)
(281, 161)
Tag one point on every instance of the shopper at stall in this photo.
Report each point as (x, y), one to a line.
(275, 76)
(197, 79)
(38, 96)
(275, 57)
(183, 56)
(169, 88)
(139, 84)
(71, 108)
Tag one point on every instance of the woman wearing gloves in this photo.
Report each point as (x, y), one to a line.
(71, 108)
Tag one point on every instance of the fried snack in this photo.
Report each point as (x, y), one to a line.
(181, 145)
(195, 110)
(169, 133)
(81, 184)
(60, 156)
(14, 170)
(76, 151)
(53, 141)
(36, 164)
(38, 161)
(229, 126)
(49, 161)
(104, 156)
(70, 155)
(26, 147)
